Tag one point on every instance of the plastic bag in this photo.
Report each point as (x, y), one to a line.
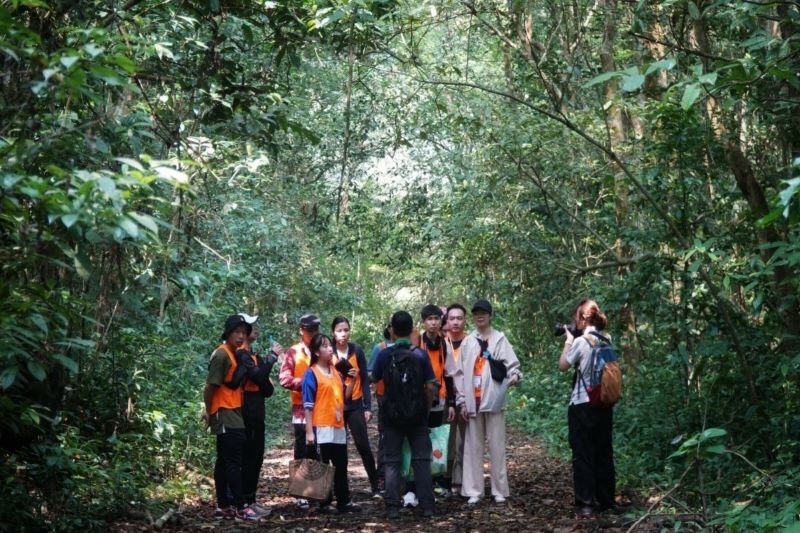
(439, 438)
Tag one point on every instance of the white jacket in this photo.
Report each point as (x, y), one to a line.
(493, 393)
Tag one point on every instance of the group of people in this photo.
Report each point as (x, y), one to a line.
(423, 379)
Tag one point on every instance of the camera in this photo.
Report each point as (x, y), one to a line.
(559, 329)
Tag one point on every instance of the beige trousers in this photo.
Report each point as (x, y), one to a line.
(483, 427)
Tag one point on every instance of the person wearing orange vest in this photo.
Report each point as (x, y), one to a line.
(432, 344)
(295, 364)
(481, 398)
(324, 394)
(253, 373)
(357, 408)
(223, 413)
(455, 318)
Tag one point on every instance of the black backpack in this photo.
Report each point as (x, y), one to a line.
(405, 401)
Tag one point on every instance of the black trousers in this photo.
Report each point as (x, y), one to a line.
(380, 460)
(299, 441)
(228, 468)
(593, 474)
(357, 424)
(419, 441)
(253, 456)
(335, 454)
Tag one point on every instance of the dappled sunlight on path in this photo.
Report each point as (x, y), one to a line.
(540, 501)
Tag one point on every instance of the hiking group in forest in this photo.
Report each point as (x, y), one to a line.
(436, 382)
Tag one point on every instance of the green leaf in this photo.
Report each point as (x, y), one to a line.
(8, 377)
(129, 226)
(108, 186)
(93, 50)
(664, 64)
(123, 62)
(37, 370)
(109, 76)
(68, 61)
(633, 82)
(694, 12)
(710, 78)
(601, 78)
(130, 162)
(145, 221)
(690, 95)
(712, 433)
(39, 322)
(716, 448)
(66, 362)
(69, 219)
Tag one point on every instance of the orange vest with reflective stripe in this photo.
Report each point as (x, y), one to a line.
(226, 397)
(302, 360)
(329, 401)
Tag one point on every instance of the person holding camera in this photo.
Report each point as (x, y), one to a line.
(590, 427)
(487, 368)
(358, 407)
(252, 374)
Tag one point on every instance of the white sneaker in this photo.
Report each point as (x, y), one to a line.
(262, 510)
(302, 503)
(410, 500)
(473, 500)
(499, 499)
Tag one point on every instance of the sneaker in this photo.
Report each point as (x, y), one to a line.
(349, 508)
(328, 509)
(227, 513)
(584, 513)
(246, 513)
(262, 510)
(376, 495)
(410, 500)
(499, 499)
(392, 513)
(427, 513)
(302, 503)
(473, 500)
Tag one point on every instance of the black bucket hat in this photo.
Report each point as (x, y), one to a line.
(233, 322)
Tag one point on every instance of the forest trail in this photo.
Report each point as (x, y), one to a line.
(540, 486)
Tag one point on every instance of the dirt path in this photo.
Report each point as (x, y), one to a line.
(540, 486)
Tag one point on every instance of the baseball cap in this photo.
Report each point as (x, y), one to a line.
(482, 305)
(309, 321)
(233, 322)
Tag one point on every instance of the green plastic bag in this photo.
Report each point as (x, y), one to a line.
(439, 438)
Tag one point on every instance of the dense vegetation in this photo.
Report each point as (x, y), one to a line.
(164, 164)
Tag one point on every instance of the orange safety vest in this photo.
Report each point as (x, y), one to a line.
(478, 371)
(437, 362)
(358, 392)
(302, 360)
(224, 396)
(329, 401)
(379, 385)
